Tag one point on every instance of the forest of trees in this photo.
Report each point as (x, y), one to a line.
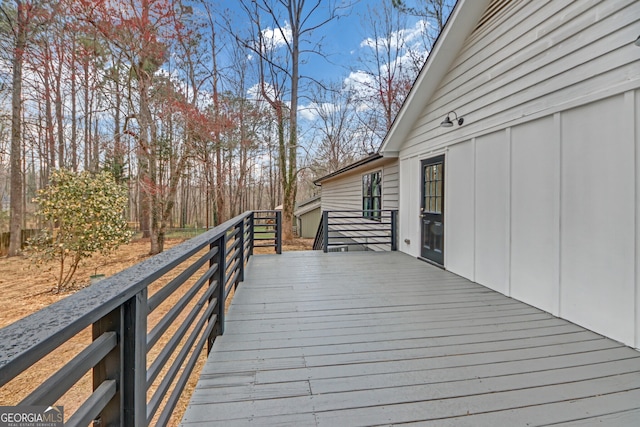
(199, 118)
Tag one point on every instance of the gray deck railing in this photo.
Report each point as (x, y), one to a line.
(117, 309)
(267, 230)
(367, 229)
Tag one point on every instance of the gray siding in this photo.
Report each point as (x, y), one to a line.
(390, 184)
(345, 191)
(308, 223)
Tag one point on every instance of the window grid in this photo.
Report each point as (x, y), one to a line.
(433, 182)
(372, 195)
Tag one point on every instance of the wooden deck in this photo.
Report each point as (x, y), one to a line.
(346, 339)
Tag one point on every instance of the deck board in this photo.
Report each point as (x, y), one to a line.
(381, 338)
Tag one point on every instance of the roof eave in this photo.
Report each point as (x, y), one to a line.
(368, 159)
(460, 24)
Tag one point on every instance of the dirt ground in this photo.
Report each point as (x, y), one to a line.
(26, 287)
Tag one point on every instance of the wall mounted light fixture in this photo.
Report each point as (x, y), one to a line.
(637, 42)
(447, 123)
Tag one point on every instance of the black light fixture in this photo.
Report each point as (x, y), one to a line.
(447, 123)
(637, 42)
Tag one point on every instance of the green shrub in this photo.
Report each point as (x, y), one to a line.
(83, 212)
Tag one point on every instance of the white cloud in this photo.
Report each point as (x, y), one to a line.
(358, 78)
(275, 38)
(313, 110)
(408, 53)
(404, 38)
(417, 32)
(361, 82)
(255, 92)
(308, 112)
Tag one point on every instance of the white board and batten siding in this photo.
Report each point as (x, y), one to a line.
(542, 196)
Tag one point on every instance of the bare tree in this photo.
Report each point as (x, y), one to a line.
(143, 32)
(338, 140)
(20, 31)
(384, 73)
(434, 12)
(22, 19)
(291, 22)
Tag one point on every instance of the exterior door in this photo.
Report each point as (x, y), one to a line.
(432, 210)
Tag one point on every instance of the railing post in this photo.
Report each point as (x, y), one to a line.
(252, 228)
(220, 277)
(109, 368)
(325, 231)
(126, 363)
(134, 360)
(278, 232)
(394, 237)
(241, 246)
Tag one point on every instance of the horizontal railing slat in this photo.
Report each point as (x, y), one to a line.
(233, 233)
(28, 340)
(169, 348)
(371, 228)
(231, 283)
(167, 411)
(233, 245)
(93, 405)
(166, 320)
(234, 264)
(161, 391)
(58, 384)
(162, 294)
(171, 315)
(118, 308)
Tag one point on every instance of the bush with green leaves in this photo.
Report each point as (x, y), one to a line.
(84, 215)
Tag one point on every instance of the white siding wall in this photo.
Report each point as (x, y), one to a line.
(535, 213)
(548, 212)
(597, 238)
(529, 63)
(390, 184)
(460, 208)
(345, 191)
(632, 113)
(543, 179)
(409, 222)
(342, 194)
(492, 211)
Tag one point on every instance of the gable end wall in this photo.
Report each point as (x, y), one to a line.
(542, 186)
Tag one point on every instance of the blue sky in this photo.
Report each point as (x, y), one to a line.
(344, 41)
(341, 38)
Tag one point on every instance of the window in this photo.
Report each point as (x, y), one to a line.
(433, 183)
(372, 195)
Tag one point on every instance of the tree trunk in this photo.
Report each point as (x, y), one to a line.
(51, 145)
(87, 120)
(58, 107)
(74, 125)
(290, 182)
(149, 174)
(16, 211)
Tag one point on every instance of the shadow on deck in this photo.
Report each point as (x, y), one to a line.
(382, 338)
